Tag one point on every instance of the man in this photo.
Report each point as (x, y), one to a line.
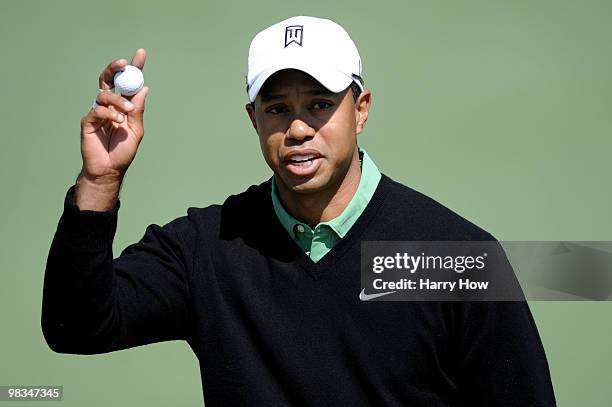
(265, 287)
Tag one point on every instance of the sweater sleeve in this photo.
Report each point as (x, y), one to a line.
(94, 304)
(503, 360)
(500, 358)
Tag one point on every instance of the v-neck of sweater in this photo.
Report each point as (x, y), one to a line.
(318, 269)
(317, 241)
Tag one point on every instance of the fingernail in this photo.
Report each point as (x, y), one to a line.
(120, 117)
(128, 105)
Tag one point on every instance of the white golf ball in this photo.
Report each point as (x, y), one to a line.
(129, 80)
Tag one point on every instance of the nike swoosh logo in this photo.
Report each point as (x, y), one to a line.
(366, 297)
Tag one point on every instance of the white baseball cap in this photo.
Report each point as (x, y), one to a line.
(317, 46)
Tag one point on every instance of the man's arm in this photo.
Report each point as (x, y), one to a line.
(498, 356)
(93, 303)
(502, 358)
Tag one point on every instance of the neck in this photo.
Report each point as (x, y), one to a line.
(327, 204)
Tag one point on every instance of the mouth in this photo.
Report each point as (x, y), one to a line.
(302, 160)
(303, 163)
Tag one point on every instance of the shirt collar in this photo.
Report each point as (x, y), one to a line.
(370, 176)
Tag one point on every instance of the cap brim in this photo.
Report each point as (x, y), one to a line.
(332, 79)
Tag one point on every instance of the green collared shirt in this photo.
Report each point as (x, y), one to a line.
(316, 243)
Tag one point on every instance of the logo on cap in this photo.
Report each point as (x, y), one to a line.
(293, 35)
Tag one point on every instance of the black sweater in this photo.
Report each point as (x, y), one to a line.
(272, 328)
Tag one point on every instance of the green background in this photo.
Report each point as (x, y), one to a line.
(498, 109)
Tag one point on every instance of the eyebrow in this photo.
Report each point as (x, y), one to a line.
(266, 97)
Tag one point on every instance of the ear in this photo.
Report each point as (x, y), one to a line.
(251, 112)
(362, 109)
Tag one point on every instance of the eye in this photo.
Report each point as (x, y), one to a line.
(276, 110)
(321, 105)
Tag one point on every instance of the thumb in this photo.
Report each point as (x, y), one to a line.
(139, 99)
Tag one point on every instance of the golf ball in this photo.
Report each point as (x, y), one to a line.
(129, 80)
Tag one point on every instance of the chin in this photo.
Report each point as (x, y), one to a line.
(306, 185)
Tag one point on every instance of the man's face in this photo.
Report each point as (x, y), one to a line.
(307, 134)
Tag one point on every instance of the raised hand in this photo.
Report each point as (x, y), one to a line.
(110, 135)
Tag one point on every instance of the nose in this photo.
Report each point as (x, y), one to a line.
(299, 130)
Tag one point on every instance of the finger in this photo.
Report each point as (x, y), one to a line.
(106, 79)
(103, 113)
(139, 98)
(111, 99)
(135, 116)
(139, 58)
